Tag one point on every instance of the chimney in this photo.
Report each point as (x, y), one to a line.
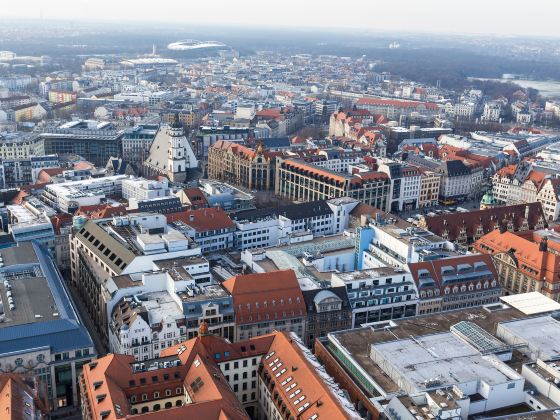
(543, 245)
(503, 227)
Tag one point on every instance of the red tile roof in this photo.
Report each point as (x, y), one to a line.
(435, 270)
(203, 220)
(196, 197)
(101, 211)
(396, 103)
(488, 220)
(61, 220)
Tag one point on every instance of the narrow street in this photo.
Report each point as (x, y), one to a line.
(84, 316)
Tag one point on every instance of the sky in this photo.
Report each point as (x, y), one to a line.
(503, 17)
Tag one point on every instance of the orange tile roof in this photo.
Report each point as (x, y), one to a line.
(305, 393)
(271, 295)
(113, 378)
(531, 261)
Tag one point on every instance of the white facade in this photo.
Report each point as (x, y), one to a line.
(73, 194)
(261, 233)
(143, 189)
(492, 111)
(28, 223)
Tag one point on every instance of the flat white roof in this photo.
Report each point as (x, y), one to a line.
(438, 360)
(531, 303)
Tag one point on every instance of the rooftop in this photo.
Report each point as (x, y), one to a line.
(42, 313)
(357, 342)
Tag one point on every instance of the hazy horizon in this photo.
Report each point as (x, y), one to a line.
(432, 16)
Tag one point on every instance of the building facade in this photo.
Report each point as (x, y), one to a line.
(239, 165)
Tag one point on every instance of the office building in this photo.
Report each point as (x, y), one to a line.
(298, 180)
(28, 223)
(41, 333)
(71, 195)
(96, 143)
(379, 294)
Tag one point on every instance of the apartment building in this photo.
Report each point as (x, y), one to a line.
(429, 188)
(379, 294)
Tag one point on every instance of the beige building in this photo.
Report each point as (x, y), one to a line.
(238, 165)
(429, 189)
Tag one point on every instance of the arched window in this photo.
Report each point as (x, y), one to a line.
(178, 403)
(168, 404)
(145, 409)
(157, 407)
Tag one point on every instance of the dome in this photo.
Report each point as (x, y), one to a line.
(488, 199)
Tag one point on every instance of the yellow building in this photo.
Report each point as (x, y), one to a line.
(62, 96)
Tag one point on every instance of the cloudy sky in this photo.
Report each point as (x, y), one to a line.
(534, 17)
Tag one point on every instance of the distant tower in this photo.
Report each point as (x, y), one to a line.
(154, 49)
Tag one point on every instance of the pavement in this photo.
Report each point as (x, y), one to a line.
(469, 205)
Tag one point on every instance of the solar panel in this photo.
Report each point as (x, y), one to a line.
(477, 337)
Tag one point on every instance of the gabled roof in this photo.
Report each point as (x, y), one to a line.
(299, 383)
(465, 269)
(488, 219)
(272, 295)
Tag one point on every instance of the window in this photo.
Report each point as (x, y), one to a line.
(511, 385)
